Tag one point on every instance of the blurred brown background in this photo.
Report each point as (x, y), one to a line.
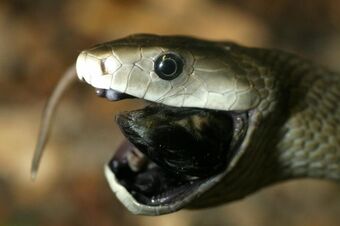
(39, 39)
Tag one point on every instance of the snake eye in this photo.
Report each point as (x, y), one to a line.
(168, 66)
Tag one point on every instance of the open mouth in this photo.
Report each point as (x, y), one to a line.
(170, 152)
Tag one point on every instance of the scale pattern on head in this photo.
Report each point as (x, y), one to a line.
(210, 76)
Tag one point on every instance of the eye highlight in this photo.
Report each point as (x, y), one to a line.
(168, 66)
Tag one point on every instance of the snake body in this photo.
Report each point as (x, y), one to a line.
(292, 104)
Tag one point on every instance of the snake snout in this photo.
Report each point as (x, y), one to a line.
(81, 66)
(96, 69)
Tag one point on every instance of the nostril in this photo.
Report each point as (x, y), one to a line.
(103, 67)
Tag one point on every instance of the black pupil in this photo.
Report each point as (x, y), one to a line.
(168, 66)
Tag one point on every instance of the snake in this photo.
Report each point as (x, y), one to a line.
(221, 120)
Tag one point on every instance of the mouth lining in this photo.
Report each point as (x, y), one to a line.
(146, 178)
(150, 185)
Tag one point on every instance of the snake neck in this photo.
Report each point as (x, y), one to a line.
(309, 139)
(299, 137)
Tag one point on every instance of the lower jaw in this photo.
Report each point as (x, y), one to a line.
(158, 206)
(152, 185)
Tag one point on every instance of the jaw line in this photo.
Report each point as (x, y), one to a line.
(141, 209)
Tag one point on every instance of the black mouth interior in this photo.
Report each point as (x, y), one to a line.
(170, 151)
(150, 185)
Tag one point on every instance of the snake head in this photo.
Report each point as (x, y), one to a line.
(204, 98)
(193, 73)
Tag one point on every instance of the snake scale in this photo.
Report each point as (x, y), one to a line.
(283, 112)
